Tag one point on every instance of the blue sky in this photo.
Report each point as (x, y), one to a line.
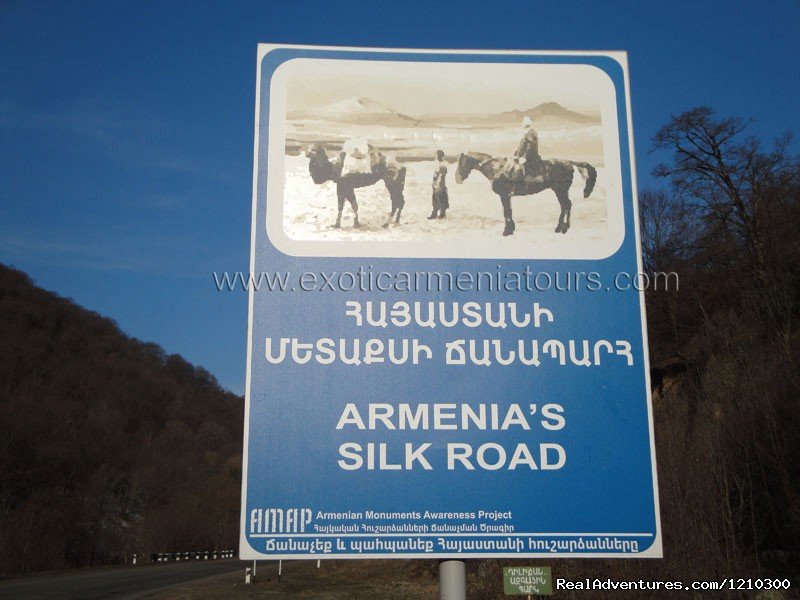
(126, 128)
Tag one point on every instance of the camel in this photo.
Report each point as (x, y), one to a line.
(550, 174)
(322, 169)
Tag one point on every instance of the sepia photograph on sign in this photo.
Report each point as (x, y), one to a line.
(384, 158)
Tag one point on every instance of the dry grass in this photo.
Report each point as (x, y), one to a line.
(334, 580)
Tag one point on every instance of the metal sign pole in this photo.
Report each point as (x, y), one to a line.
(452, 580)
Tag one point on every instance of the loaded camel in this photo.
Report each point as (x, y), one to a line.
(322, 169)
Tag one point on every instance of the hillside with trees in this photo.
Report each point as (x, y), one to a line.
(727, 425)
(109, 446)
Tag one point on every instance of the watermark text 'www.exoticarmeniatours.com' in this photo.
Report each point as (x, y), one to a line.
(367, 279)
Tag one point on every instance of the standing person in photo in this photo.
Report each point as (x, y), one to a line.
(440, 200)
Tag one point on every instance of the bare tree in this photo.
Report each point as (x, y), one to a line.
(666, 233)
(727, 175)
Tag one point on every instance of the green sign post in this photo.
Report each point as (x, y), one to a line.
(530, 581)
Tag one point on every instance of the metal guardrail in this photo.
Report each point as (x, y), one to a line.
(185, 556)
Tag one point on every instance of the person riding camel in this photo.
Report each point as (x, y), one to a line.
(526, 159)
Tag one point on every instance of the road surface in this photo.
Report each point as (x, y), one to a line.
(123, 583)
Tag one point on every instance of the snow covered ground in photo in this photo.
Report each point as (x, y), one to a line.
(309, 210)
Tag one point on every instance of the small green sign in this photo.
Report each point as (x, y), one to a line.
(531, 581)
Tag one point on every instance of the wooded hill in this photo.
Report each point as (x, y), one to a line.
(727, 346)
(109, 446)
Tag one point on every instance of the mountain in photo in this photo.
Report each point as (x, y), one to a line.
(358, 110)
(550, 112)
(548, 115)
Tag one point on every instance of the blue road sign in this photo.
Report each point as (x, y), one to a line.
(447, 353)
